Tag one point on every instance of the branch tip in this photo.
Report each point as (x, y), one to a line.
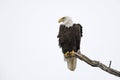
(110, 64)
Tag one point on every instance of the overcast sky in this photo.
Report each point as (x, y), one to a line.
(28, 38)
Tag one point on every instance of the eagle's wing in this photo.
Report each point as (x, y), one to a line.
(78, 35)
(60, 35)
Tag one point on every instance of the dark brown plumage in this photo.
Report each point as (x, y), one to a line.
(70, 37)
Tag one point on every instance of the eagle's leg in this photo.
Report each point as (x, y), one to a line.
(66, 54)
(72, 53)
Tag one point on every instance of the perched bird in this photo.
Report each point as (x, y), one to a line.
(69, 40)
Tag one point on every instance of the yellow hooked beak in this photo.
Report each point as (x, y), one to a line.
(60, 20)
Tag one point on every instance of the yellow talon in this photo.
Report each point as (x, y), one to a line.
(66, 54)
(72, 53)
(69, 54)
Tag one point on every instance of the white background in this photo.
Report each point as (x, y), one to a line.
(28, 38)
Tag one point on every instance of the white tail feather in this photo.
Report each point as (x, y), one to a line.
(71, 63)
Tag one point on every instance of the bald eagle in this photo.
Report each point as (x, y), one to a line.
(69, 40)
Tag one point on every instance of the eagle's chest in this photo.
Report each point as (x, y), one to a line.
(69, 33)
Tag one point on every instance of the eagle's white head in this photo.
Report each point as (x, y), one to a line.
(67, 21)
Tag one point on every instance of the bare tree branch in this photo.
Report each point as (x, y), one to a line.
(95, 63)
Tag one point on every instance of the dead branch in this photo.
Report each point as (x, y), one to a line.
(95, 63)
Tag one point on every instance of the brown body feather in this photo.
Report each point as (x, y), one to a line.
(69, 39)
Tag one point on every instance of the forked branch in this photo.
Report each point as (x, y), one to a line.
(95, 63)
